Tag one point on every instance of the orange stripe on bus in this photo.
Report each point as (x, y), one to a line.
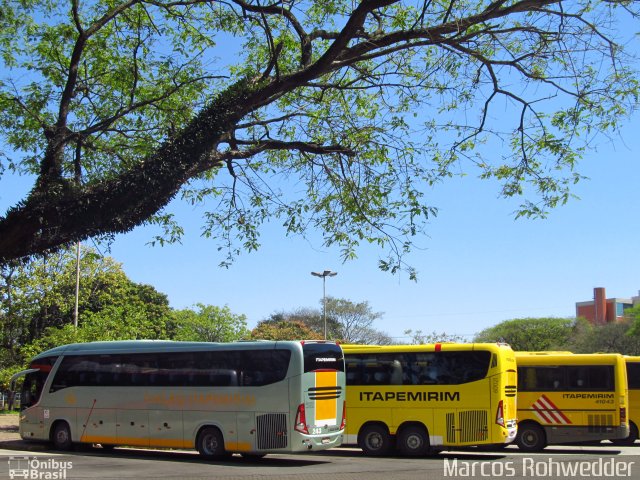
(238, 446)
(137, 442)
(326, 409)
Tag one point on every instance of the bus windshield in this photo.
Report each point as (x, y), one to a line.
(34, 381)
(322, 356)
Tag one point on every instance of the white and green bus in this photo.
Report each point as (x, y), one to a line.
(250, 398)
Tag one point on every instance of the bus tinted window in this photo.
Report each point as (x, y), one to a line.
(428, 368)
(174, 369)
(34, 382)
(322, 356)
(633, 375)
(598, 378)
(44, 364)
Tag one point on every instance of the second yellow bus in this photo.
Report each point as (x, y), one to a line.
(633, 381)
(569, 398)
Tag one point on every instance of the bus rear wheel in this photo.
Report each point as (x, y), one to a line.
(210, 444)
(531, 438)
(631, 439)
(374, 440)
(413, 441)
(61, 436)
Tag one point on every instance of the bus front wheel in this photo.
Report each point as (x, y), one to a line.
(374, 440)
(413, 440)
(210, 444)
(61, 436)
(531, 438)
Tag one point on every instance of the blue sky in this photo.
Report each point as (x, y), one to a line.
(478, 266)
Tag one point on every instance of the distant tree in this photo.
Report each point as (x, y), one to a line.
(634, 316)
(347, 322)
(611, 337)
(354, 321)
(209, 324)
(311, 317)
(531, 334)
(38, 295)
(115, 322)
(419, 338)
(284, 330)
(372, 336)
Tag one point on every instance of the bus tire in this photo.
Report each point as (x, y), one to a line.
(374, 440)
(531, 438)
(61, 436)
(631, 439)
(210, 444)
(413, 441)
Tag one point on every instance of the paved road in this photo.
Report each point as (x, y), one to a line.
(338, 464)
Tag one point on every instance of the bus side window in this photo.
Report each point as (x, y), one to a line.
(633, 375)
(429, 376)
(353, 367)
(380, 378)
(396, 373)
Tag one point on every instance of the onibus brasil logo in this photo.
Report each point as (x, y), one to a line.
(38, 469)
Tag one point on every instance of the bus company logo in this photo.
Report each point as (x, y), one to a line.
(410, 396)
(548, 412)
(326, 359)
(38, 469)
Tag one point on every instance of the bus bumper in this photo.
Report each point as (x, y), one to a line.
(512, 432)
(560, 435)
(317, 442)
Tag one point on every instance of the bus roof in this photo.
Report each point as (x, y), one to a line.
(563, 358)
(141, 346)
(430, 347)
(545, 352)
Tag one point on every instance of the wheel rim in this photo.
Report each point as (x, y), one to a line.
(375, 441)
(62, 436)
(529, 438)
(210, 444)
(414, 442)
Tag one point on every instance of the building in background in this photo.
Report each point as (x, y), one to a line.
(603, 310)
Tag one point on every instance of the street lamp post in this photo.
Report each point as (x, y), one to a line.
(324, 275)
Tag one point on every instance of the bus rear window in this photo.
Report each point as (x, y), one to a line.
(322, 356)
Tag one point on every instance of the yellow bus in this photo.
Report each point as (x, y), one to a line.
(633, 379)
(425, 398)
(251, 398)
(570, 398)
